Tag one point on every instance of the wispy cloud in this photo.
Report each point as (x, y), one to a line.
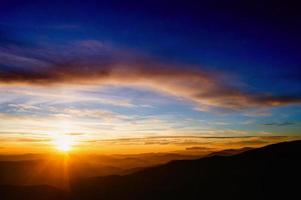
(257, 113)
(63, 27)
(198, 142)
(93, 63)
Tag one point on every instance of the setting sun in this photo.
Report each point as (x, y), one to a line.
(63, 143)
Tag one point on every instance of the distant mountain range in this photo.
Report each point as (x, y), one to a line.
(40, 192)
(35, 169)
(270, 172)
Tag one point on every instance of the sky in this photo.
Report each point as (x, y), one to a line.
(109, 70)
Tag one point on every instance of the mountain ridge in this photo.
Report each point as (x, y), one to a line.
(269, 172)
(257, 172)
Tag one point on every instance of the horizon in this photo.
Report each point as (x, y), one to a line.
(182, 145)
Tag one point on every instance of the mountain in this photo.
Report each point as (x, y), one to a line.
(36, 169)
(230, 152)
(41, 192)
(265, 173)
(32, 172)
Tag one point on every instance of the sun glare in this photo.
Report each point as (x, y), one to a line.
(63, 143)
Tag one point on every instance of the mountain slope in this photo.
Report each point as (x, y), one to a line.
(265, 173)
(31, 193)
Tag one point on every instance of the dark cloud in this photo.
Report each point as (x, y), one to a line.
(259, 141)
(198, 148)
(280, 124)
(92, 62)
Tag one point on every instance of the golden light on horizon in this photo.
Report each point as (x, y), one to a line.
(62, 140)
(63, 143)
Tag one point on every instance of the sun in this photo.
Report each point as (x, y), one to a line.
(63, 143)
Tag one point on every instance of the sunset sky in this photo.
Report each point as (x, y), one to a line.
(145, 72)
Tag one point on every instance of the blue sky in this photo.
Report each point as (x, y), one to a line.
(146, 68)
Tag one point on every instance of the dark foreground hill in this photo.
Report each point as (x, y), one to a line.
(270, 172)
(31, 193)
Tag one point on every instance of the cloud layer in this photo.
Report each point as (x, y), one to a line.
(93, 63)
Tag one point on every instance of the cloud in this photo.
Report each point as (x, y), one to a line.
(91, 113)
(198, 142)
(257, 113)
(94, 63)
(53, 95)
(198, 148)
(280, 124)
(34, 140)
(24, 107)
(71, 27)
(250, 142)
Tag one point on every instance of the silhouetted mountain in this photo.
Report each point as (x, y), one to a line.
(31, 193)
(32, 172)
(21, 157)
(36, 169)
(264, 173)
(230, 152)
